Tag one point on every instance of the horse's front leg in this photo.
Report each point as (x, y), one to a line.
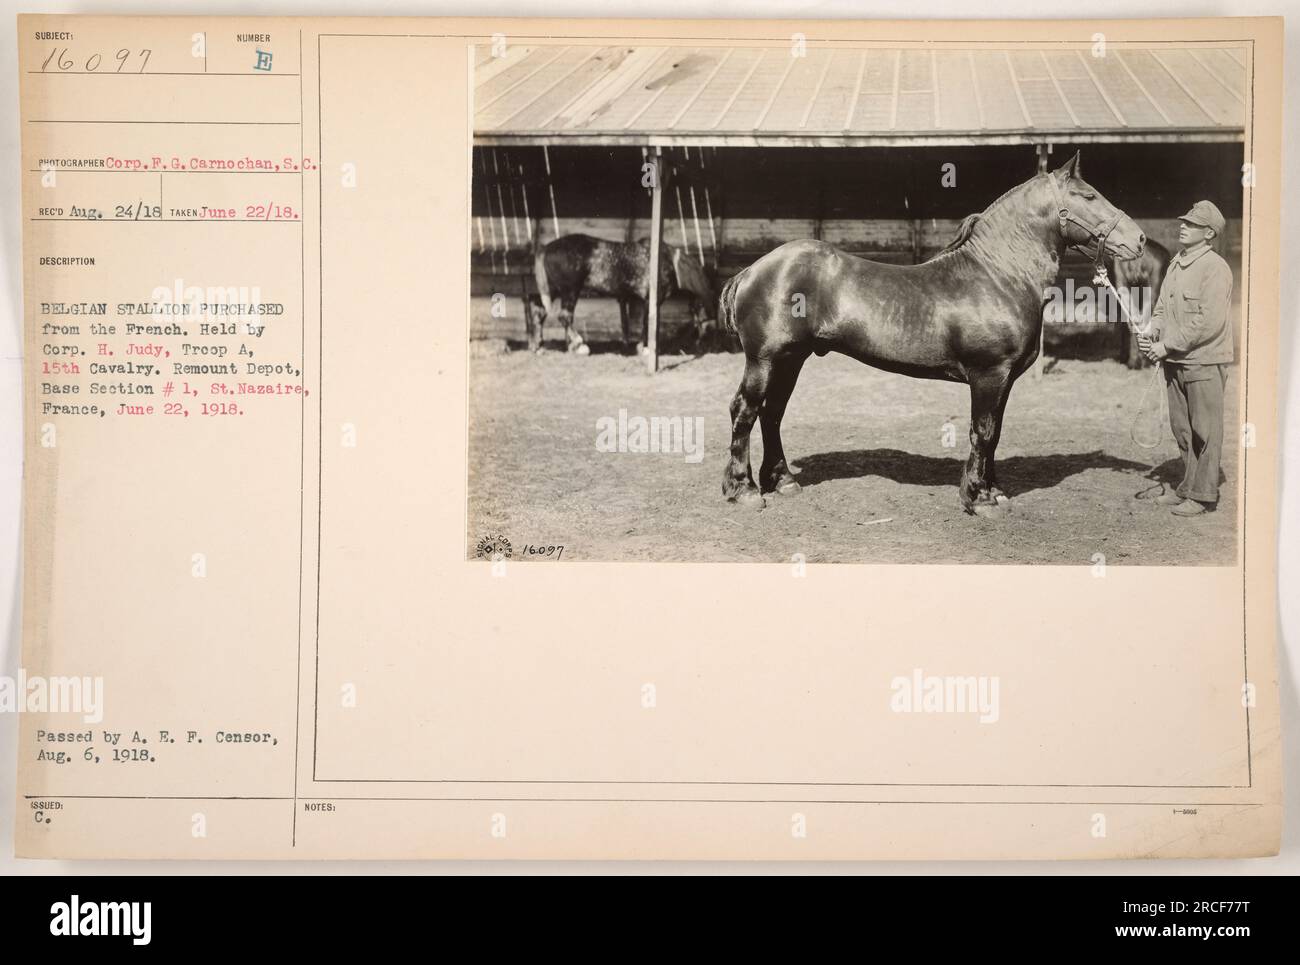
(702, 326)
(978, 488)
(534, 319)
(572, 339)
(625, 316)
(638, 311)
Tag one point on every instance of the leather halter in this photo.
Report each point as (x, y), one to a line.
(1099, 234)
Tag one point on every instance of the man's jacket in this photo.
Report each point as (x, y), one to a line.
(1191, 314)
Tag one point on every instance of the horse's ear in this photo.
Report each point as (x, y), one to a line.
(1070, 169)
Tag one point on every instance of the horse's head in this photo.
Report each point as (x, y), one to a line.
(1087, 219)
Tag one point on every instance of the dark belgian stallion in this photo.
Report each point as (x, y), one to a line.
(572, 264)
(971, 314)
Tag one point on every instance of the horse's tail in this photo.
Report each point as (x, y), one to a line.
(543, 281)
(727, 302)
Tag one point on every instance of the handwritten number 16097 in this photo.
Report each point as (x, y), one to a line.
(61, 59)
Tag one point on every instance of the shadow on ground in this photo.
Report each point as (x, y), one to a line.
(1016, 474)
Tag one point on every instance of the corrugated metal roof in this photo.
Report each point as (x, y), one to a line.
(738, 95)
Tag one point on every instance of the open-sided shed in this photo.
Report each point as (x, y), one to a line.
(563, 134)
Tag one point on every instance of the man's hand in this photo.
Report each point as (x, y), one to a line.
(1154, 351)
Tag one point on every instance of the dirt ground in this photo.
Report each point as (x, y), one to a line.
(879, 484)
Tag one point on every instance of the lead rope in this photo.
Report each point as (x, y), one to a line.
(1099, 236)
(1161, 412)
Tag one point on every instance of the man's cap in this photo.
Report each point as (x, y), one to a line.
(1205, 214)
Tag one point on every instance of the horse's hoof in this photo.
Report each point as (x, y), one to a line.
(993, 510)
(788, 488)
(580, 349)
(750, 500)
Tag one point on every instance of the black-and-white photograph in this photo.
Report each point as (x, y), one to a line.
(814, 303)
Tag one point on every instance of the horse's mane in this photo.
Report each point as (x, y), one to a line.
(967, 227)
(963, 234)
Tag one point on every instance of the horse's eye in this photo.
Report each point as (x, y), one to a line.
(1087, 195)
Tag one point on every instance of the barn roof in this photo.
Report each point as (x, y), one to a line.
(565, 94)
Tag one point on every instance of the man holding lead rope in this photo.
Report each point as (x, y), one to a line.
(1190, 336)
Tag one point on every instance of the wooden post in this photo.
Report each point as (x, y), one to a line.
(478, 219)
(633, 197)
(656, 235)
(708, 210)
(550, 186)
(695, 217)
(528, 215)
(491, 216)
(821, 209)
(501, 206)
(695, 211)
(681, 217)
(719, 239)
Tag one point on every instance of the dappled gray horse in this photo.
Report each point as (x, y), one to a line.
(573, 264)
